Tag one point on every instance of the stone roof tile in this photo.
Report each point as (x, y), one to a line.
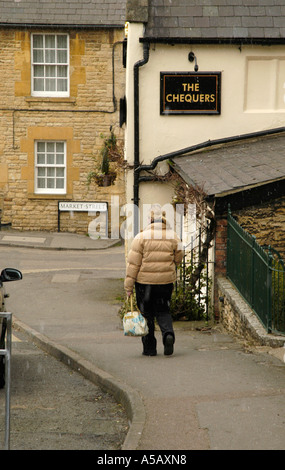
(258, 19)
(235, 166)
(74, 12)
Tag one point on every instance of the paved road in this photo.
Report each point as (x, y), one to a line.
(55, 408)
(213, 393)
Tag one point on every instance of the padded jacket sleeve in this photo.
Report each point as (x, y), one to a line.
(133, 263)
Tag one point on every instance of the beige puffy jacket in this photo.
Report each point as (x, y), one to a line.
(153, 257)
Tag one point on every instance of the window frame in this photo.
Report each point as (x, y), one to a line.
(43, 93)
(47, 165)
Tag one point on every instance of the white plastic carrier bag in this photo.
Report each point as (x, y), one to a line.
(134, 323)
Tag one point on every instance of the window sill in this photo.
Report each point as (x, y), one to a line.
(45, 99)
(50, 196)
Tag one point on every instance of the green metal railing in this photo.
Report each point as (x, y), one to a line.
(258, 274)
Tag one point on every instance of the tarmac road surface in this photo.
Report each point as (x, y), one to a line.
(213, 393)
(55, 408)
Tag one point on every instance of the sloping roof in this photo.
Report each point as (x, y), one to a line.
(60, 12)
(234, 167)
(219, 19)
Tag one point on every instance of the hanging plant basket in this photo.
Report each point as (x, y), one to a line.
(111, 156)
(105, 180)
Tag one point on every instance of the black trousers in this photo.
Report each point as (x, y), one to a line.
(153, 301)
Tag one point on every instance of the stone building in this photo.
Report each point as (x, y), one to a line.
(61, 80)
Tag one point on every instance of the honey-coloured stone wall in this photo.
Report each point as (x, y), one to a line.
(266, 222)
(96, 86)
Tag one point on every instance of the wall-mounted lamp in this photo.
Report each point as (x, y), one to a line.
(191, 58)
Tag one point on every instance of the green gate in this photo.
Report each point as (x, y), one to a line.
(258, 274)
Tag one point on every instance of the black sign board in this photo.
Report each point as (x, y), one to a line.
(190, 93)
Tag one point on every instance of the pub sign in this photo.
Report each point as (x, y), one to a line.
(190, 93)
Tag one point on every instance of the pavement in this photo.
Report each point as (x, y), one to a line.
(214, 393)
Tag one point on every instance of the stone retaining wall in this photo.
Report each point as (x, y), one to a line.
(238, 319)
(266, 222)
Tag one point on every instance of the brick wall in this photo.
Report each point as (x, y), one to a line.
(220, 257)
(79, 120)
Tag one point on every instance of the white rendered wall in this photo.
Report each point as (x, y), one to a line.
(252, 99)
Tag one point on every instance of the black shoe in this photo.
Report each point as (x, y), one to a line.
(168, 345)
(152, 353)
(149, 345)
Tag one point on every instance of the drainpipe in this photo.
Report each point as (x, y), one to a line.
(137, 65)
